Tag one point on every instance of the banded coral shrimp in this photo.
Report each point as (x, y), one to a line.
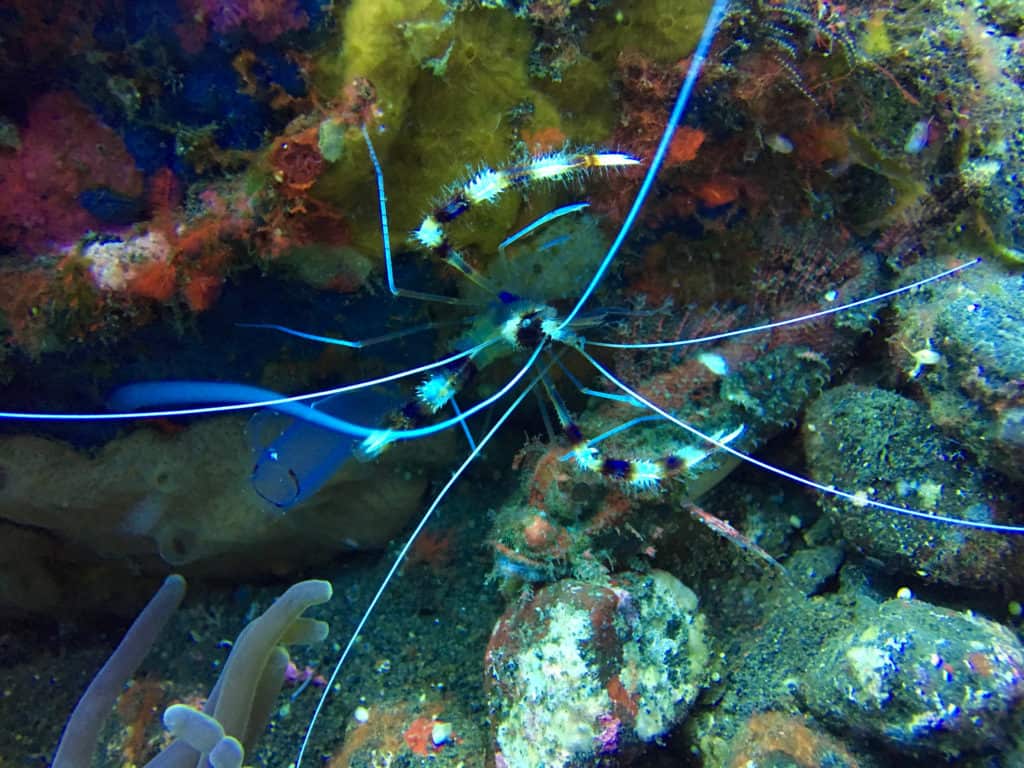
(520, 329)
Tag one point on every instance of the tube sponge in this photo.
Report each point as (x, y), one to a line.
(241, 702)
(205, 735)
(227, 754)
(265, 698)
(195, 728)
(253, 649)
(82, 731)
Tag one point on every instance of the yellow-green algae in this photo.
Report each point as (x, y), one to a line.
(445, 88)
(664, 31)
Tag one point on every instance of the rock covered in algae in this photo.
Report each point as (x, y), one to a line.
(970, 331)
(920, 678)
(453, 84)
(881, 446)
(584, 671)
(994, 159)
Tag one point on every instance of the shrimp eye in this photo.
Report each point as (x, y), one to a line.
(529, 332)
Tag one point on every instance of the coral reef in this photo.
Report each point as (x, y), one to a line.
(186, 194)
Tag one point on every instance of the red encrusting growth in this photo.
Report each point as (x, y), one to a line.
(155, 280)
(202, 291)
(139, 709)
(265, 20)
(771, 736)
(685, 145)
(417, 736)
(296, 161)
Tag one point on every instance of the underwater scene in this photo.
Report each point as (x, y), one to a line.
(520, 384)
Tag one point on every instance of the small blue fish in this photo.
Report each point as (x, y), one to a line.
(294, 458)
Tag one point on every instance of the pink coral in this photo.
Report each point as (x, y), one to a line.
(64, 150)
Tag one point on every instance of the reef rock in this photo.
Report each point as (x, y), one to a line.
(884, 447)
(585, 671)
(971, 330)
(778, 739)
(921, 678)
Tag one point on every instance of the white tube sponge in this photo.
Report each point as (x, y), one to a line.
(204, 734)
(305, 632)
(82, 731)
(242, 699)
(227, 754)
(253, 649)
(195, 728)
(265, 699)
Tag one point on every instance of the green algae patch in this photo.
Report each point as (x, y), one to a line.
(448, 89)
(665, 31)
(384, 43)
(460, 123)
(328, 267)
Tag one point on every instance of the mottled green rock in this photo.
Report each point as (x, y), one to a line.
(886, 448)
(921, 678)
